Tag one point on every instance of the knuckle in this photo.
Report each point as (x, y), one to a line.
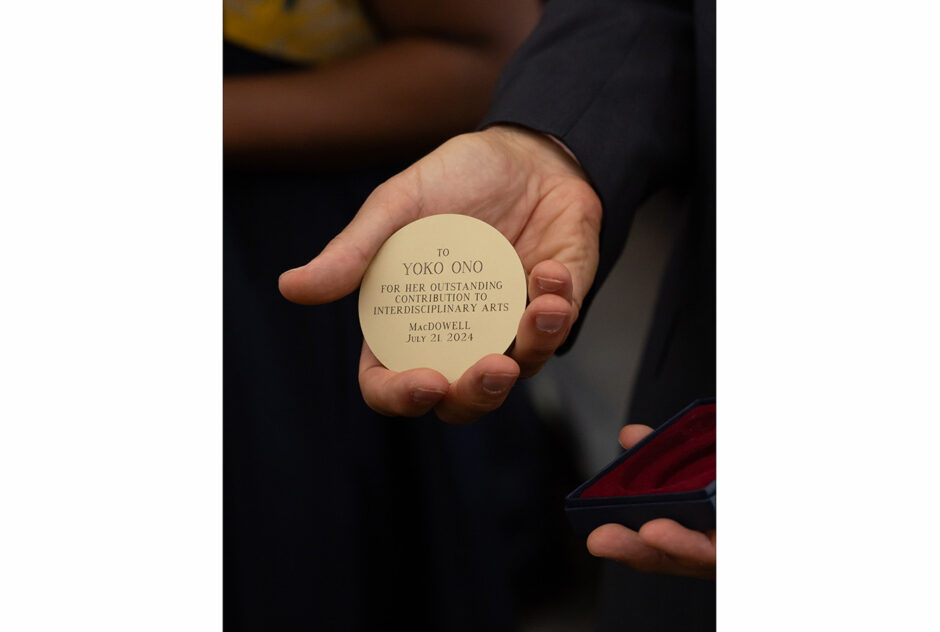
(537, 354)
(528, 369)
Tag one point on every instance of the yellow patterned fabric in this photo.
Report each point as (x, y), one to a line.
(302, 31)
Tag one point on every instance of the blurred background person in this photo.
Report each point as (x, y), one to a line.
(337, 518)
(343, 83)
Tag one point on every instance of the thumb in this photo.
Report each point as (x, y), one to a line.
(633, 434)
(339, 268)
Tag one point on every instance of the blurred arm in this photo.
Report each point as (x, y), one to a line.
(431, 78)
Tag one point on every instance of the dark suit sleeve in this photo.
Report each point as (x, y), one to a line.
(613, 80)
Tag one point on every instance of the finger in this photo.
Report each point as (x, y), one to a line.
(543, 328)
(550, 277)
(407, 394)
(481, 388)
(618, 543)
(338, 269)
(693, 549)
(580, 225)
(633, 434)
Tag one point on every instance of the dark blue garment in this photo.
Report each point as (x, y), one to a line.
(629, 87)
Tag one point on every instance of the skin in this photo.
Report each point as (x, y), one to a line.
(527, 187)
(530, 189)
(429, 79)
(660, 546)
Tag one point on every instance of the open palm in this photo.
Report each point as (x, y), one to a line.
(528, 188)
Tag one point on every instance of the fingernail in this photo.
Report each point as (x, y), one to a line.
(426, 395)
(495, 383)
(550, 322)
(547, 284)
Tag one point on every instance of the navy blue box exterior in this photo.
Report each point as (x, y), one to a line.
(695, 509)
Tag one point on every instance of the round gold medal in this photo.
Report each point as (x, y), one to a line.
(441, 293)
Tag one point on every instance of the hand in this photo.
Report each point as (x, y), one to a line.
(527, 187)
(660, 546)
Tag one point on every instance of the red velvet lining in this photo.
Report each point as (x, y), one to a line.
(680, 459)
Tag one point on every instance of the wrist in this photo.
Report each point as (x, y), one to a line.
(540, 146)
